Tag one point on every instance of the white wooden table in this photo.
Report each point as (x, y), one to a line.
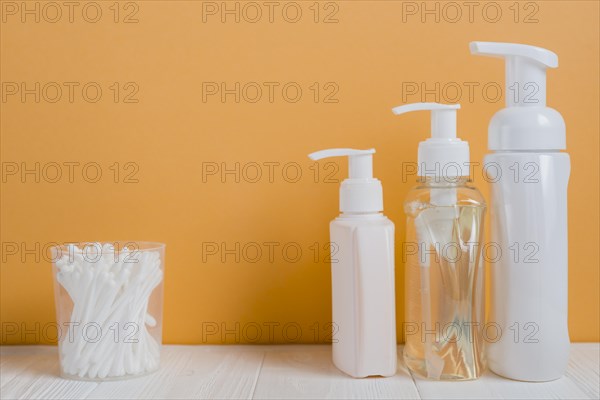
(285, 371)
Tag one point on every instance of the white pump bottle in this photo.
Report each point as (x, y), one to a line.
(362, 272)
(529, 176)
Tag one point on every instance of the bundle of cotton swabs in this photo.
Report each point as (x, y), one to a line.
(110, 291)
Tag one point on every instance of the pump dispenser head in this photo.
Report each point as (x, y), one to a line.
(443, 154)
(360, 193)
(525, 70)
(526, 123)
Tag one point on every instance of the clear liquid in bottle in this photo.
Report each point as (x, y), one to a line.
(444, 282)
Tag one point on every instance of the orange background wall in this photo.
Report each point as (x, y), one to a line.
(156, 138)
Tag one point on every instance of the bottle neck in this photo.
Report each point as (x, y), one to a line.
(360, 215)
(443, 181)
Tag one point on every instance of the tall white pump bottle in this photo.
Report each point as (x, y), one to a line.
(362, 272)
(529, 176)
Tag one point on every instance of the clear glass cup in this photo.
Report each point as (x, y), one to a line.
(108, 300)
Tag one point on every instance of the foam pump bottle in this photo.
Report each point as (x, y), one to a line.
(362, 272)
(529, 174)
(443, 254)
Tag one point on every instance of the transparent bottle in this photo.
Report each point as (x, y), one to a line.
(444, 279)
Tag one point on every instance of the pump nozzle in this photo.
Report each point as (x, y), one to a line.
(361, 192)
(443, 154)
(525, 70)
(526, 123)
(443, 117)
(360, 162)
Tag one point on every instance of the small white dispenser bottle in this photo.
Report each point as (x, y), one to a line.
(529, 176)
(443, 253)
(362, 272)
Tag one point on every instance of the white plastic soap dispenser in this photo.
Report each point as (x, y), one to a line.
(443, 253)
(362, 272)
(529, 176)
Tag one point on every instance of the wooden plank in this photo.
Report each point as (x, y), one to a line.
(39, 379)
(492, 386)
(584, 365)
(15, 359)
(306, 371)
(284, 371)
(193, 372)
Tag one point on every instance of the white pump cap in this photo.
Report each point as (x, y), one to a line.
(442, 155)
(360, 193)
(526, 123)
